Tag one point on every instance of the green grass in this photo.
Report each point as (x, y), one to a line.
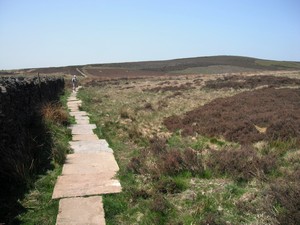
(40, 208)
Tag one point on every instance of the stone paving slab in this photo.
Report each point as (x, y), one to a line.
(72, 104)
(72, 98)
(81, 117)
(90, 146)
(82, 113)
(90, 164)
(75, 102)
(90, 126)
(74, 108)
(85, 185)
(99, 142)
(82, 122)
(83, 169)
(81, 211)
(90, 171)
(95, 158)
(85, 137)
(82, 129)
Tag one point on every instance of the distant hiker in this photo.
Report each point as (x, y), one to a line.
(74, 82)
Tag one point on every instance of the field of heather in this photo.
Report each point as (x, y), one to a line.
(201, 149)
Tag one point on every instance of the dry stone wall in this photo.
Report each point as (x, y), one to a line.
(21, 127)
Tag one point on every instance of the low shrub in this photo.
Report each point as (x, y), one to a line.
(158, 145)
(54, 112)
(160, 204)
(135, 165)
(137, 193)
(158, 160)
(192, 162)
(126, 113)
(241, 164)
(170, 185)
(286, 193)
(171, 162)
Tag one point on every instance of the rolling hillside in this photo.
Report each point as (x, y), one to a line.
(198, 65)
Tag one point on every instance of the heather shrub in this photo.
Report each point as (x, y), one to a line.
(286, 193)
(192, 162)
(135, 165)
(241, 164)
(160, 204)
(158, 145)
(171, 162)
(137, 193)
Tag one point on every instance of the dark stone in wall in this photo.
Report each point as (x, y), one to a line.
(20, 127)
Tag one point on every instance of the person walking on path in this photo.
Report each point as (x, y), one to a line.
(74, 82)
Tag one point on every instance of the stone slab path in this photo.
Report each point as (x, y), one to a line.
(87, 173)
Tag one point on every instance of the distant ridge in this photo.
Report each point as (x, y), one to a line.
(183, 63)
(209, 64)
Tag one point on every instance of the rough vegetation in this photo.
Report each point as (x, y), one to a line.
(193, 173)
(247, 117)
(250, 82)
(211, 140)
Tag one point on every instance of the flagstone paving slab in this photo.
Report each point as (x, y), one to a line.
(82, 122)
(91, 170)
(103, 162)
(85, 185)
(82, 129)
(91, 126)
(90, 146)
(72, 98)
(83, 113)
(85, 137)
(81, 211)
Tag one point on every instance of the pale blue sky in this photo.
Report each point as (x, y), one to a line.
(44, 33)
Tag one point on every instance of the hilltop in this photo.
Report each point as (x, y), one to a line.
(197, 65)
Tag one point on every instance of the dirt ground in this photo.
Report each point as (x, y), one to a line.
(247, 117)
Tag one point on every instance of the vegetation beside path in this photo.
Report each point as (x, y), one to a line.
(168, 178)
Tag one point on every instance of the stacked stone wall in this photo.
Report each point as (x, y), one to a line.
(21, 128)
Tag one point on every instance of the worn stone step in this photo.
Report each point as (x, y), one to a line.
(80, 117)
(85, 137)
(74, 102)
(82, 129)
(90, 146)
(103, 162)
(82, 113)
(72, 98)
(85, 185)
(81, 211)
(83, 121)
(91, 126)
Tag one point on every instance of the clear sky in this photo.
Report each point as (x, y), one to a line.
(44, 33)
